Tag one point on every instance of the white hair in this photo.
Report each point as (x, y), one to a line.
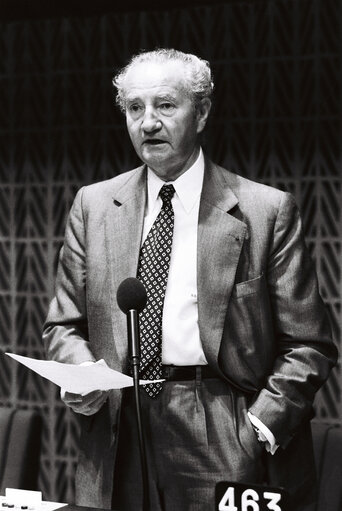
(197, 75)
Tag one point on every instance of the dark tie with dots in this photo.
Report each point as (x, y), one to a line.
(153, 270)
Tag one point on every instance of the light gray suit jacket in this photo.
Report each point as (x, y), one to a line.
(262, 323)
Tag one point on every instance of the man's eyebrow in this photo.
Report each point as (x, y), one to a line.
(167, 97)
(131, 99)
(159, 97)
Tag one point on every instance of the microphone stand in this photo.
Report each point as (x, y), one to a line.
(133, 329)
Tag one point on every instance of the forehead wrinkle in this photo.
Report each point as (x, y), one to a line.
(164, 82)
(157, 95)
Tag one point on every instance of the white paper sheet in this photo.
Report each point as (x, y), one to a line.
(31, 499)
(79, 379)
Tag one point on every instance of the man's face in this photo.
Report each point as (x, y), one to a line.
(162, 120)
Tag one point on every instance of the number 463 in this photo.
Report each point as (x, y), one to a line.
(249, 500)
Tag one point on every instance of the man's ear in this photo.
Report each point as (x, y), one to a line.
(202, 113)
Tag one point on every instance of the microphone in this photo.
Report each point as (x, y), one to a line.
(132, 297)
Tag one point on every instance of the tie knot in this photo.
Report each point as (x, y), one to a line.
(166, 193)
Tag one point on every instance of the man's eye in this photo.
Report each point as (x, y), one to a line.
(166, 106)
(134, 108)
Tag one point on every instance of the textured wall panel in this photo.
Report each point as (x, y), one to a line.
(276, 118)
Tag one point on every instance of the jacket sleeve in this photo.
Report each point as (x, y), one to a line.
(305, 350)
(65, 332)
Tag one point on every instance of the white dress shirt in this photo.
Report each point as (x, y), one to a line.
(180, 334)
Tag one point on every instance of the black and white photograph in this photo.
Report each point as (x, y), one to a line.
(170, 255)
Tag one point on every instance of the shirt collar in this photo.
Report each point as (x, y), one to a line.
(188, 186)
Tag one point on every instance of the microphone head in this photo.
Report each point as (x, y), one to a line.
(131, 295)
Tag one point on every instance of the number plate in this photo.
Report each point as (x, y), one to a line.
(231, 496)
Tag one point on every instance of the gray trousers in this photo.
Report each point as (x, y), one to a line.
(197, 434)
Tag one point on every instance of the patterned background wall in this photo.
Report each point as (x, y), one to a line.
(277, 118)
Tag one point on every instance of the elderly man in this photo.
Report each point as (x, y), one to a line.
(234, 321)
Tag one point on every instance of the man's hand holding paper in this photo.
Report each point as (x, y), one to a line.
(86, 404)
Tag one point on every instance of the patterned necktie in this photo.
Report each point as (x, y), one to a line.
(153, 269)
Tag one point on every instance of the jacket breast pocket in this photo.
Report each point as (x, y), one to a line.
(248, 287)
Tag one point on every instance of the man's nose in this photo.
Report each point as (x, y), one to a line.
(150, 122)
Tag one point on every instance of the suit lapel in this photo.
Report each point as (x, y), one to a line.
(220, 239)
(124, 225)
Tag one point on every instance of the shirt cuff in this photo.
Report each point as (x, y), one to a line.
(264, 434)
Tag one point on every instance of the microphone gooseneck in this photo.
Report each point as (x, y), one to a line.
(132, 297)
